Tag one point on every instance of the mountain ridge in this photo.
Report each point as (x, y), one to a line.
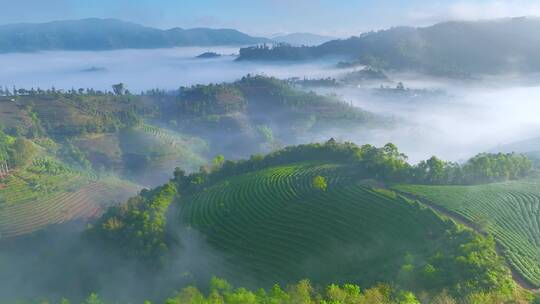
(452, 48)
(111, 34)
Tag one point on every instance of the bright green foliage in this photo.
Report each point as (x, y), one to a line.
(483, 168)
(304, 292)
(300, 293)
(137, 228)
(5, 142)
(319, 182)
(218, 162)
(21, 152)
(388, 164)
(509, 211)
(385, 163)
(93, 299)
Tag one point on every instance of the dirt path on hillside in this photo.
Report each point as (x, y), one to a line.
(518, 277)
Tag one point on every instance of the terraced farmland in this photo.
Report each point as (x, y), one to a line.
(35, 182)
(510, 211)
(176, 139)
(278, 227)
(46, 192)
(30, 216)
(159, 151)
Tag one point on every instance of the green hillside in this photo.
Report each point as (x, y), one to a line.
(259, 113)
(280, 225)
(46, 191)
(510, 211)
(146, 153)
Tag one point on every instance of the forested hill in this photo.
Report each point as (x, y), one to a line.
(258, 113)
(109, 34)
(449, 48)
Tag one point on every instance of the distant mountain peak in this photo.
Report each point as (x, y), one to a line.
(308, 39)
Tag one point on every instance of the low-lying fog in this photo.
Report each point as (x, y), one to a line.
(138, 69)
(472, 116)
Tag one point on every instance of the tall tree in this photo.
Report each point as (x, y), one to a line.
(118, 88)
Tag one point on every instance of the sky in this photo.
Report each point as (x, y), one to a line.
(340, 18)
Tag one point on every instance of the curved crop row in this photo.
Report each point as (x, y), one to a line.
(278, 226)
(510, 211)
(31, 216)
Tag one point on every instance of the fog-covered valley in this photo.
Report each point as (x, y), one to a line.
(462, 119)
(465, 117)
(138, 69)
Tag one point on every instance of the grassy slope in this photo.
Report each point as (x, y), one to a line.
(33, 197)
(510, 211)
(147, 154)
(11, 115)
(279, 228)
(46, 191)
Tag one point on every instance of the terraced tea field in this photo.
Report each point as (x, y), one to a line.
(276, 225)
(147, 153)
(510, 211)
(186, 151)
(47, 192)
(30, 216)
(176, 139)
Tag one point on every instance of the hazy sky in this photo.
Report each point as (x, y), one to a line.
(266, 17)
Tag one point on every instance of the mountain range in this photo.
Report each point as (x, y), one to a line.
(454, 48)
(110, 34)
(448, 48)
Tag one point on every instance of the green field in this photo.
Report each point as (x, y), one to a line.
(510, 211)
(278, 227)
(48, 192)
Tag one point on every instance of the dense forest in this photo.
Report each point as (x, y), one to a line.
(262, 113)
